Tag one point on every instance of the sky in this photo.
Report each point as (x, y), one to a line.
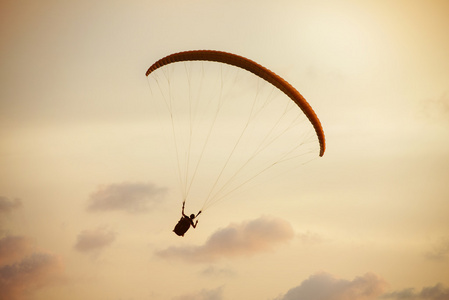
(87, 197)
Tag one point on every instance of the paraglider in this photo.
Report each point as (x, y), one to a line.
(231, 121)
(185, 222)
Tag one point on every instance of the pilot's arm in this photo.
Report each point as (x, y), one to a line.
(183, 204)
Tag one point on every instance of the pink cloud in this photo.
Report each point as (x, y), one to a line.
(437, 292)
(236, 240)
(13, 248)
(324, 286)
(7, 205)
(129, 197)
(94, 240)
(30, 273)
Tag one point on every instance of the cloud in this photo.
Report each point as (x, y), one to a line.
(129, 197)
(437, 292)
(310, 238)
(440, 251)
(94, 240)
(213, 294)
(32, 272)
(7, 205)
(436, 109)
(236, 240)
(324, 286)
(212, 271)
(12, 248)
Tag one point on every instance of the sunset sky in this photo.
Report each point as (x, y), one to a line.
(87, 197)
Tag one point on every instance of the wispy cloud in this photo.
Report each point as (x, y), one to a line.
(310, 238)
(7, 205)
(93, 241)
(325, 286)
(236, 240)
(437, 292)
(28, 274)
(205, 294)
(440, 251)
(212, 271)
(129, 197)
(437, 108)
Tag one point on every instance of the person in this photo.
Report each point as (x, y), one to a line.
(185, 222)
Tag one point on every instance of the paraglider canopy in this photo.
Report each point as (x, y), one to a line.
(253, 67)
